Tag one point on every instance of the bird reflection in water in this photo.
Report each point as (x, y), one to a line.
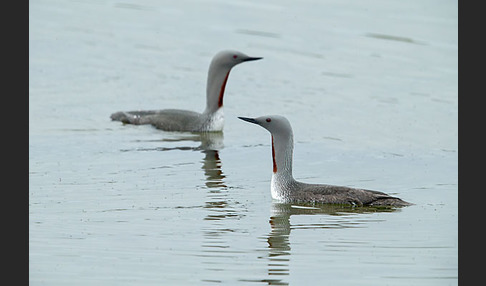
(208, 141)
(212, 169)
(217, 252)
(209, 144)
(279, 247)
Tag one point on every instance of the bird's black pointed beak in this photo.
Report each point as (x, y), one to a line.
(252, 120)
(252, 59)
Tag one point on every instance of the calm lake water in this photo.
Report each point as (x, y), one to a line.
(370, 88)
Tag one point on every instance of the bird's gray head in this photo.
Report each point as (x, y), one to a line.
(282, 141)
(276, 124)
(229, 58)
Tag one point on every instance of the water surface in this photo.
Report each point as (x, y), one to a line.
(370, 89)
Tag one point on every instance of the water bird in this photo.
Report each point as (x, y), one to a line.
(286, 189)
(211, 119)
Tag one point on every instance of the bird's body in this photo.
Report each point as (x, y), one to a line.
(285, 188)
(174, 119)
(211, 119)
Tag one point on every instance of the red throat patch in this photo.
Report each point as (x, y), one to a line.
(221, 92)
(273, 157)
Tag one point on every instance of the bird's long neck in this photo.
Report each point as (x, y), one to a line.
(217, 78)
(282, 180)
(282, 152)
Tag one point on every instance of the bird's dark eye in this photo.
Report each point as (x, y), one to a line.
(235, 56)
(268, 119)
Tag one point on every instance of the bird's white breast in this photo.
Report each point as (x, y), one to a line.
(276, 189)
(216, 122)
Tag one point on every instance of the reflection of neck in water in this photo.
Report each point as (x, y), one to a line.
(211, 142)
(212, 169)
(278, 245)
(279, 248)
